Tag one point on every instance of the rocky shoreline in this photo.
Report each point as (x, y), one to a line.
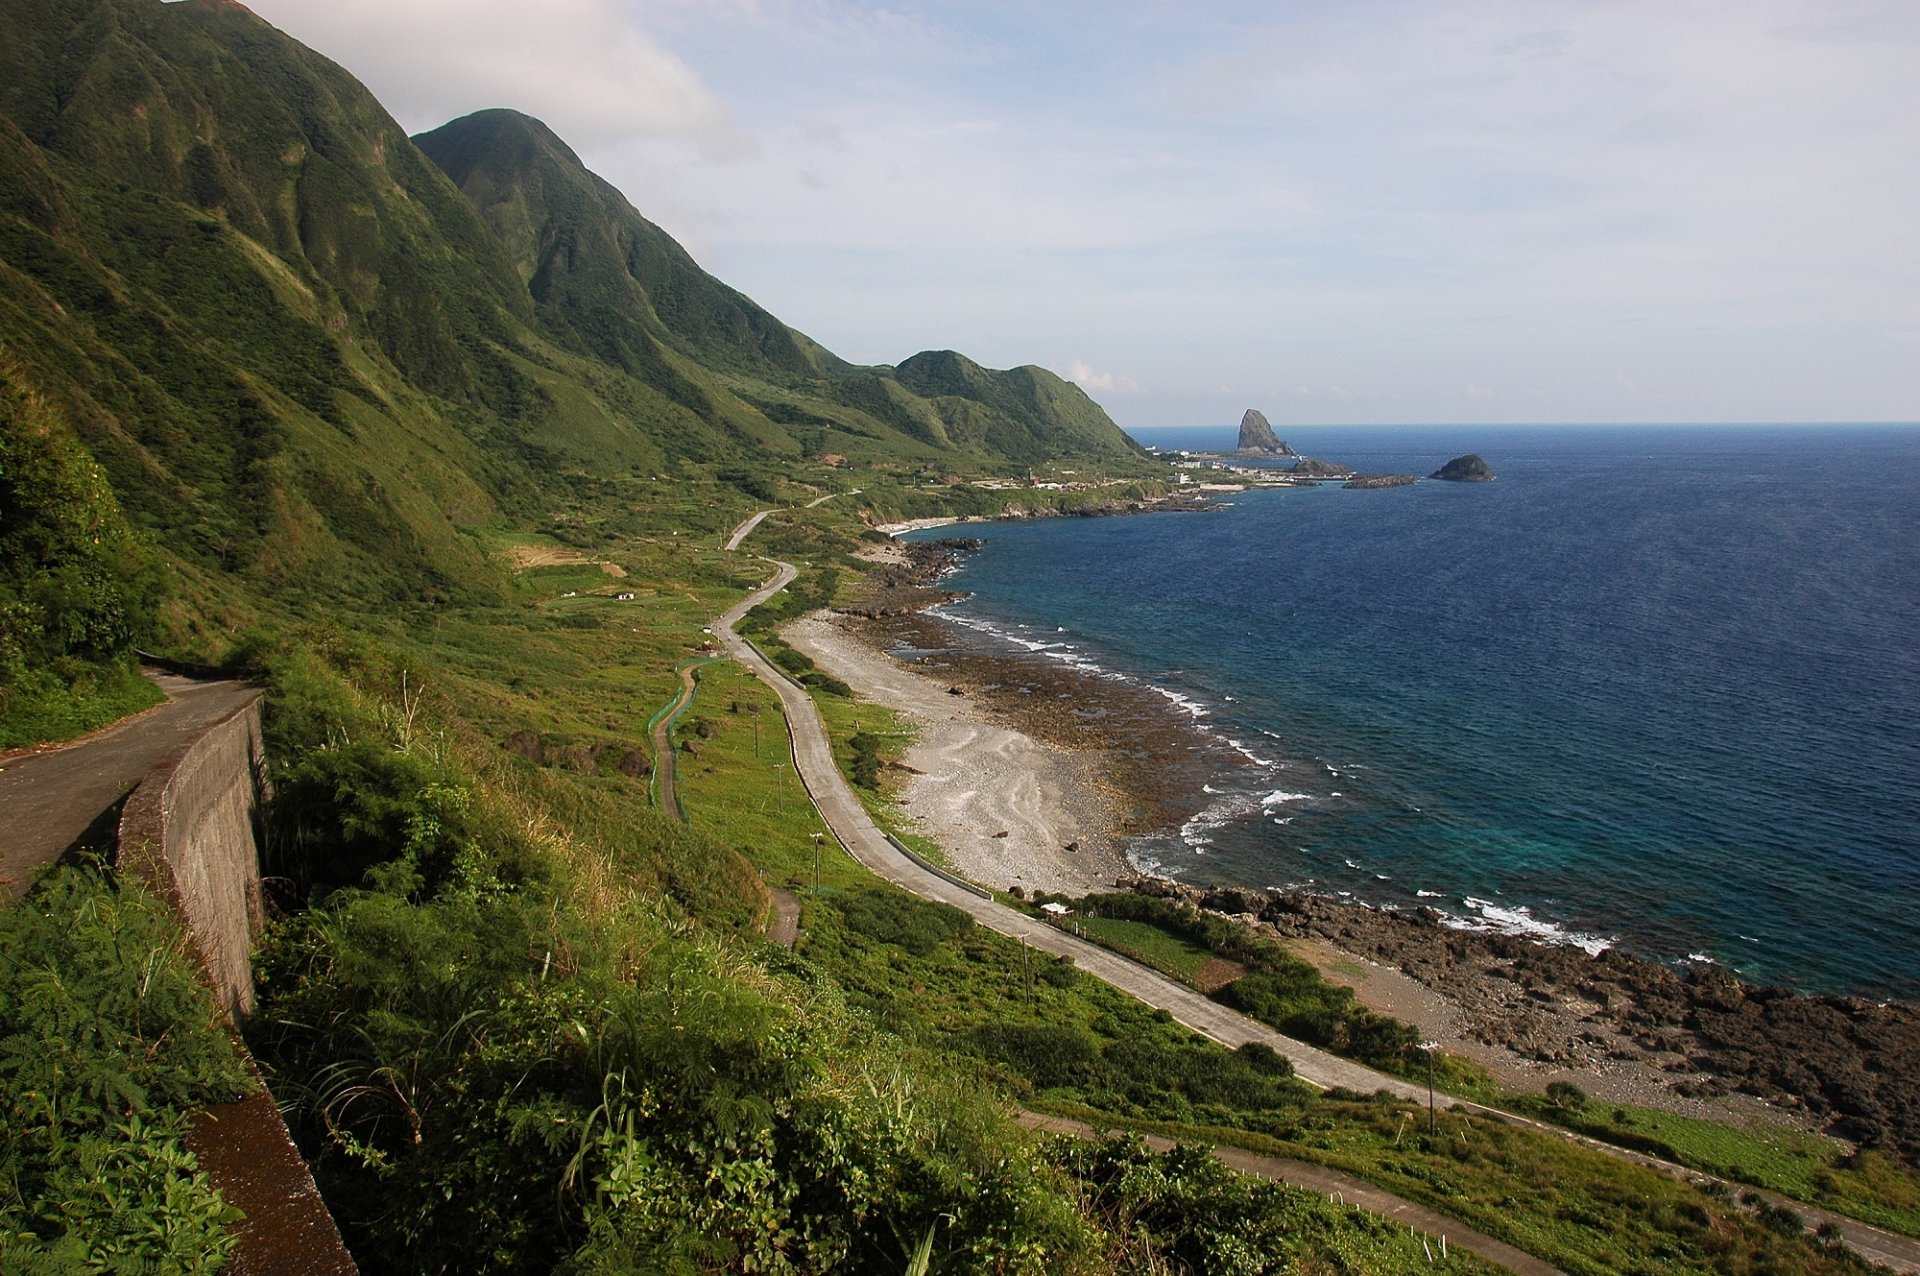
(1625, 1029)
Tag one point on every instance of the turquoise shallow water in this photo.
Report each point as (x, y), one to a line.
(1653, 687)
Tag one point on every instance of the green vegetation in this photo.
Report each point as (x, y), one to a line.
(1821, 1171)
(1585, 1213)
(1277, 988)
(1147, 944)
(76, 586)
(107, 1042)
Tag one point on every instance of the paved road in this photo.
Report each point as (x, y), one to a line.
(740, 532)
(49, 797)
(850, 823)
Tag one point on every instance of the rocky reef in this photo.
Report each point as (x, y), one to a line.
(1843, 1061)
(1308, 468)
(1380, 480)
(1465, 469)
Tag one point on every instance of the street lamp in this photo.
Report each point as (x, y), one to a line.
(1430, 1047)
(817, 839)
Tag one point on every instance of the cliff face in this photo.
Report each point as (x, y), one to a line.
(1464, 469)
(1256, 435)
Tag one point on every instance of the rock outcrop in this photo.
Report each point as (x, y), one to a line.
(1308, 468)
(1381, 480)
(1257, 436)
(1464, 469)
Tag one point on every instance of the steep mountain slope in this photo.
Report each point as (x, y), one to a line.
(306, 362)
(627, 292)
(595, 266)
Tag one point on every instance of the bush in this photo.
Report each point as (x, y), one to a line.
(894, 917)
(107, 1042)
(1566, 1096)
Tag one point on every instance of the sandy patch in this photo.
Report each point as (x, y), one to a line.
(524, 557)
(1004, 806)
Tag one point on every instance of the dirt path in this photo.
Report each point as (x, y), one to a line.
(785, 930)
(664, 762)
(1344, 1188)
(49, 797)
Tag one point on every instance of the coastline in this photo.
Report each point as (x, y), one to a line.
(1008, 811)
(1009, 742)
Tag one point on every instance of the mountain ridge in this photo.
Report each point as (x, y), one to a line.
(306, 356)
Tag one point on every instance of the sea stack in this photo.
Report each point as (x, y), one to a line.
(1257, 436)
(1464, 469)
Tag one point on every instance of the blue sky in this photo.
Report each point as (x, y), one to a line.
(1371, 211)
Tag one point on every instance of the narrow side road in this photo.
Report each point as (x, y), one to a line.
(665, 765)
(49, 797)
(1332, 1183)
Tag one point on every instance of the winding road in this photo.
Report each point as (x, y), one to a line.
(52, 795)
(863, 840)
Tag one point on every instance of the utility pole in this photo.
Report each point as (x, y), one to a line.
(817, 839)
(1430, 1047)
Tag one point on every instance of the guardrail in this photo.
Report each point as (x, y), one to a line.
(936, 870)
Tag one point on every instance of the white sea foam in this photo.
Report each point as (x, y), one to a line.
(1193, 708)
(1488, 917)
(1428, 894)
(1278, 796)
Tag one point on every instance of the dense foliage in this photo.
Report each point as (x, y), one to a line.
(1277, 988)
(76, 586)
(107, 1042)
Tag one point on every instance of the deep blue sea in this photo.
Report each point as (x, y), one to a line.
(1654, 686)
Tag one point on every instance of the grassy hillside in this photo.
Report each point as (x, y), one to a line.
(307, 360)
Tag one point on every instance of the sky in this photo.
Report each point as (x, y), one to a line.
(1341, 212)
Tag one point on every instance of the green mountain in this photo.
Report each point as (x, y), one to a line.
(316, 356)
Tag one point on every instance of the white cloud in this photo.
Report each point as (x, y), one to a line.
(1083, 374)
(583, 66)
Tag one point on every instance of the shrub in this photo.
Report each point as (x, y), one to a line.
(894, 917)
(107, 1042)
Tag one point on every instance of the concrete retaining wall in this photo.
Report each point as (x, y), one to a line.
(188, 830)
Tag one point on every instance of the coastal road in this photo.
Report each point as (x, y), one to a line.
(863, 840)
(50, 796)
(747, 525)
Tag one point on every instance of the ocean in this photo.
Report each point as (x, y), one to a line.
(1656, 687)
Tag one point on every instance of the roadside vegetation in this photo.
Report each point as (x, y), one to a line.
(108, 1042)
(77, 586)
